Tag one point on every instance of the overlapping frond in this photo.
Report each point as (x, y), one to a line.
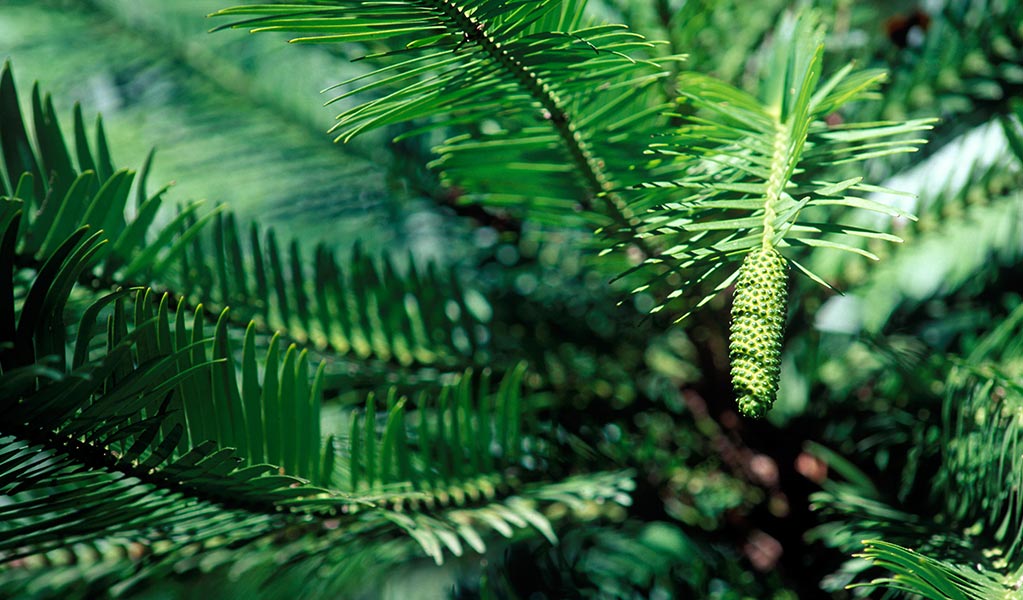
(136, 427)
(933, 578)
(562, 110)
(969, 545)
(443, 466)
(59, 195)
(105, 440)
(116, 444)
(149, 436)
(353, 306)
(746, 177)
(96, 454)
(752, 166)
(982, 468)
(464, 433)
(535, 508)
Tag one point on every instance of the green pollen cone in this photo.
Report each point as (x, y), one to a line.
(758, 323)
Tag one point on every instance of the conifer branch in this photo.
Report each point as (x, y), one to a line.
(589, 166)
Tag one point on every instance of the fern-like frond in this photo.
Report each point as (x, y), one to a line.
(461, 463)
(149, 431)
(532, 508)
(59, 196)
(751, 186)
(749, 163)
(353, 307)
(570, 109)
(968, 545)
(933, 578)
(982, 471)
(154, 435)
(466, 442)
(113, 445)
(747, 158)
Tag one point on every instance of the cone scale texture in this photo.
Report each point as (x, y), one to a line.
(758, 323)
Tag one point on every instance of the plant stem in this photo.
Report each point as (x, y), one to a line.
(589, 166)
(776, 182)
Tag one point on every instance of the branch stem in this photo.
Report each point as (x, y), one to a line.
(776, 182)
(589, 166)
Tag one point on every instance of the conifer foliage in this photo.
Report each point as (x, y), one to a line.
(193, 400)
